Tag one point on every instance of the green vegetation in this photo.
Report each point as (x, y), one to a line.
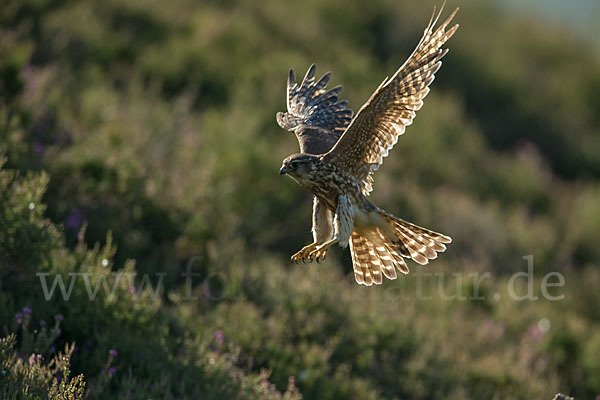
(138, 146)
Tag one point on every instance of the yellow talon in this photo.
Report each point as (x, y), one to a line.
(304, 254)
(297, 257)
(323, 254)
(313, 252)
(320, 252)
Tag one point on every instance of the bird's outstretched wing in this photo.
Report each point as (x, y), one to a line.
(391, 108)
(314, 114)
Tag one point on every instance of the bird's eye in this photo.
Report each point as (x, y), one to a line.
(295, 164)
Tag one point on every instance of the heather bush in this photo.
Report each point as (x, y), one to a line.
(145, 233)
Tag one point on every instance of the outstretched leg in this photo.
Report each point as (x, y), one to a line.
(343, 224)
(322, 230)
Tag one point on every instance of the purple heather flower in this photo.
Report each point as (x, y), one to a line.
(59, 377)
(19, 317)
(219, 337)
(534, 333)
(112, 371)
(39, 148)
(74, 220)
(42, 323)
(26, 310)
(53, 349)
(129, 392)
(35, 358)
(113, 352)
(59, 317)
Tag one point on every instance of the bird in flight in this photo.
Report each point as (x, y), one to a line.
(339, 153)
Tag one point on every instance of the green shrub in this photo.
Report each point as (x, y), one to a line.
(138, 142)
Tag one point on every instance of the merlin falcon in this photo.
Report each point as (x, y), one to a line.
(339, 153)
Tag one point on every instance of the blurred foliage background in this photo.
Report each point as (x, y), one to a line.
(138, 137)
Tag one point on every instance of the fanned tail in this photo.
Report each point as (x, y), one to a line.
(380, 250)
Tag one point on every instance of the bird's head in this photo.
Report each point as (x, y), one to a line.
(299, 167)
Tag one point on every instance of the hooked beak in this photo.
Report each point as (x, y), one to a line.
(283, 171)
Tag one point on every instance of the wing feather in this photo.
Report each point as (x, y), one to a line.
(314, 114)
(392, 107)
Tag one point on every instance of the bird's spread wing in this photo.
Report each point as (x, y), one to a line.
(391, 108)
(314, 114)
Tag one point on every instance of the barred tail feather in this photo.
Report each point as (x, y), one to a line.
(361, 259)
(379, 251)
